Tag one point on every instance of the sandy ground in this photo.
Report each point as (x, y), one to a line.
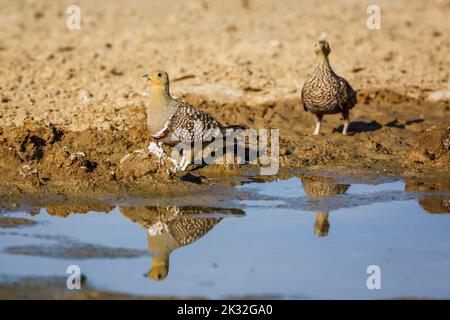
(242, 61)
(238, 56)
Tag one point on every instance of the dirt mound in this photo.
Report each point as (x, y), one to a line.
(434, 144)
(142, 165)
(39, 154)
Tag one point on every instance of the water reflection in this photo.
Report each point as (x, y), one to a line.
(171, 227)
(276, 212)
(317, 187)
(436, 203)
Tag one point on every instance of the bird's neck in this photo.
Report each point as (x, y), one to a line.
(162, 260)
(161, 246)
(324, 63)
(159, 111)
(159, 95)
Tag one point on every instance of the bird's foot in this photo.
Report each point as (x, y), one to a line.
(182, 165)
(156, 149)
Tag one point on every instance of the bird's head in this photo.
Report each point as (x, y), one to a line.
(157, 78)
(159, 270)
(321, 226)
(322, 48)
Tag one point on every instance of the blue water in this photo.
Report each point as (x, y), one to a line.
(272, 250)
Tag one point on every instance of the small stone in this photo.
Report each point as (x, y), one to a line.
(276, 44)
(437, 96)
(116, 72)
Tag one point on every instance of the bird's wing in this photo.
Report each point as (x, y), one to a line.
(189, 123)
(303, 98)
(188, 229)
(347, 96)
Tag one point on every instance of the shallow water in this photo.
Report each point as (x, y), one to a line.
(303, 238)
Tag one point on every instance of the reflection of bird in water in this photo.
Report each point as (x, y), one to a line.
(321, 226)
(170, 228)
(319, 187)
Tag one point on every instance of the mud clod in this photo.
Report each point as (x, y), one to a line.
(140, 165)
(434, 144)
(40, 154)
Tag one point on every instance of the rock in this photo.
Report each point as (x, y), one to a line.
(85, 95)
(434, 143)
(439, 96)
(153, 163)
(27, 171)
(276, 44)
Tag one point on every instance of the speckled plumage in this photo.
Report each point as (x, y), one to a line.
(172, 121)
(172, 227)
(189, 124)
(183, 223)
(324, 92)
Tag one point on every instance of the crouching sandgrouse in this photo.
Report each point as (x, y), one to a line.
(171, 121)
(324, 92)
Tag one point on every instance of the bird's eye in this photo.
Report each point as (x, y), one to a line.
(159, 75)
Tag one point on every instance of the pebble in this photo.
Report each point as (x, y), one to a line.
(437, 96)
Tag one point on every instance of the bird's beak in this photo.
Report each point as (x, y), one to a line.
(146, 76)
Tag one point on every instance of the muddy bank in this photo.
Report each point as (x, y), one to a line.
(46, 288)
(40, 157)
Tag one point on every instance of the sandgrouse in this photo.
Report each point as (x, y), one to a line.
(171, 121)
(324, 92)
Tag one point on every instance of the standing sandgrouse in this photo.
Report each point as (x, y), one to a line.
(171, 121)
(324, 92)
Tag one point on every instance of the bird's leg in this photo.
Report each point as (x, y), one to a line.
(318, 124)
(346, 122)
(191, 153)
